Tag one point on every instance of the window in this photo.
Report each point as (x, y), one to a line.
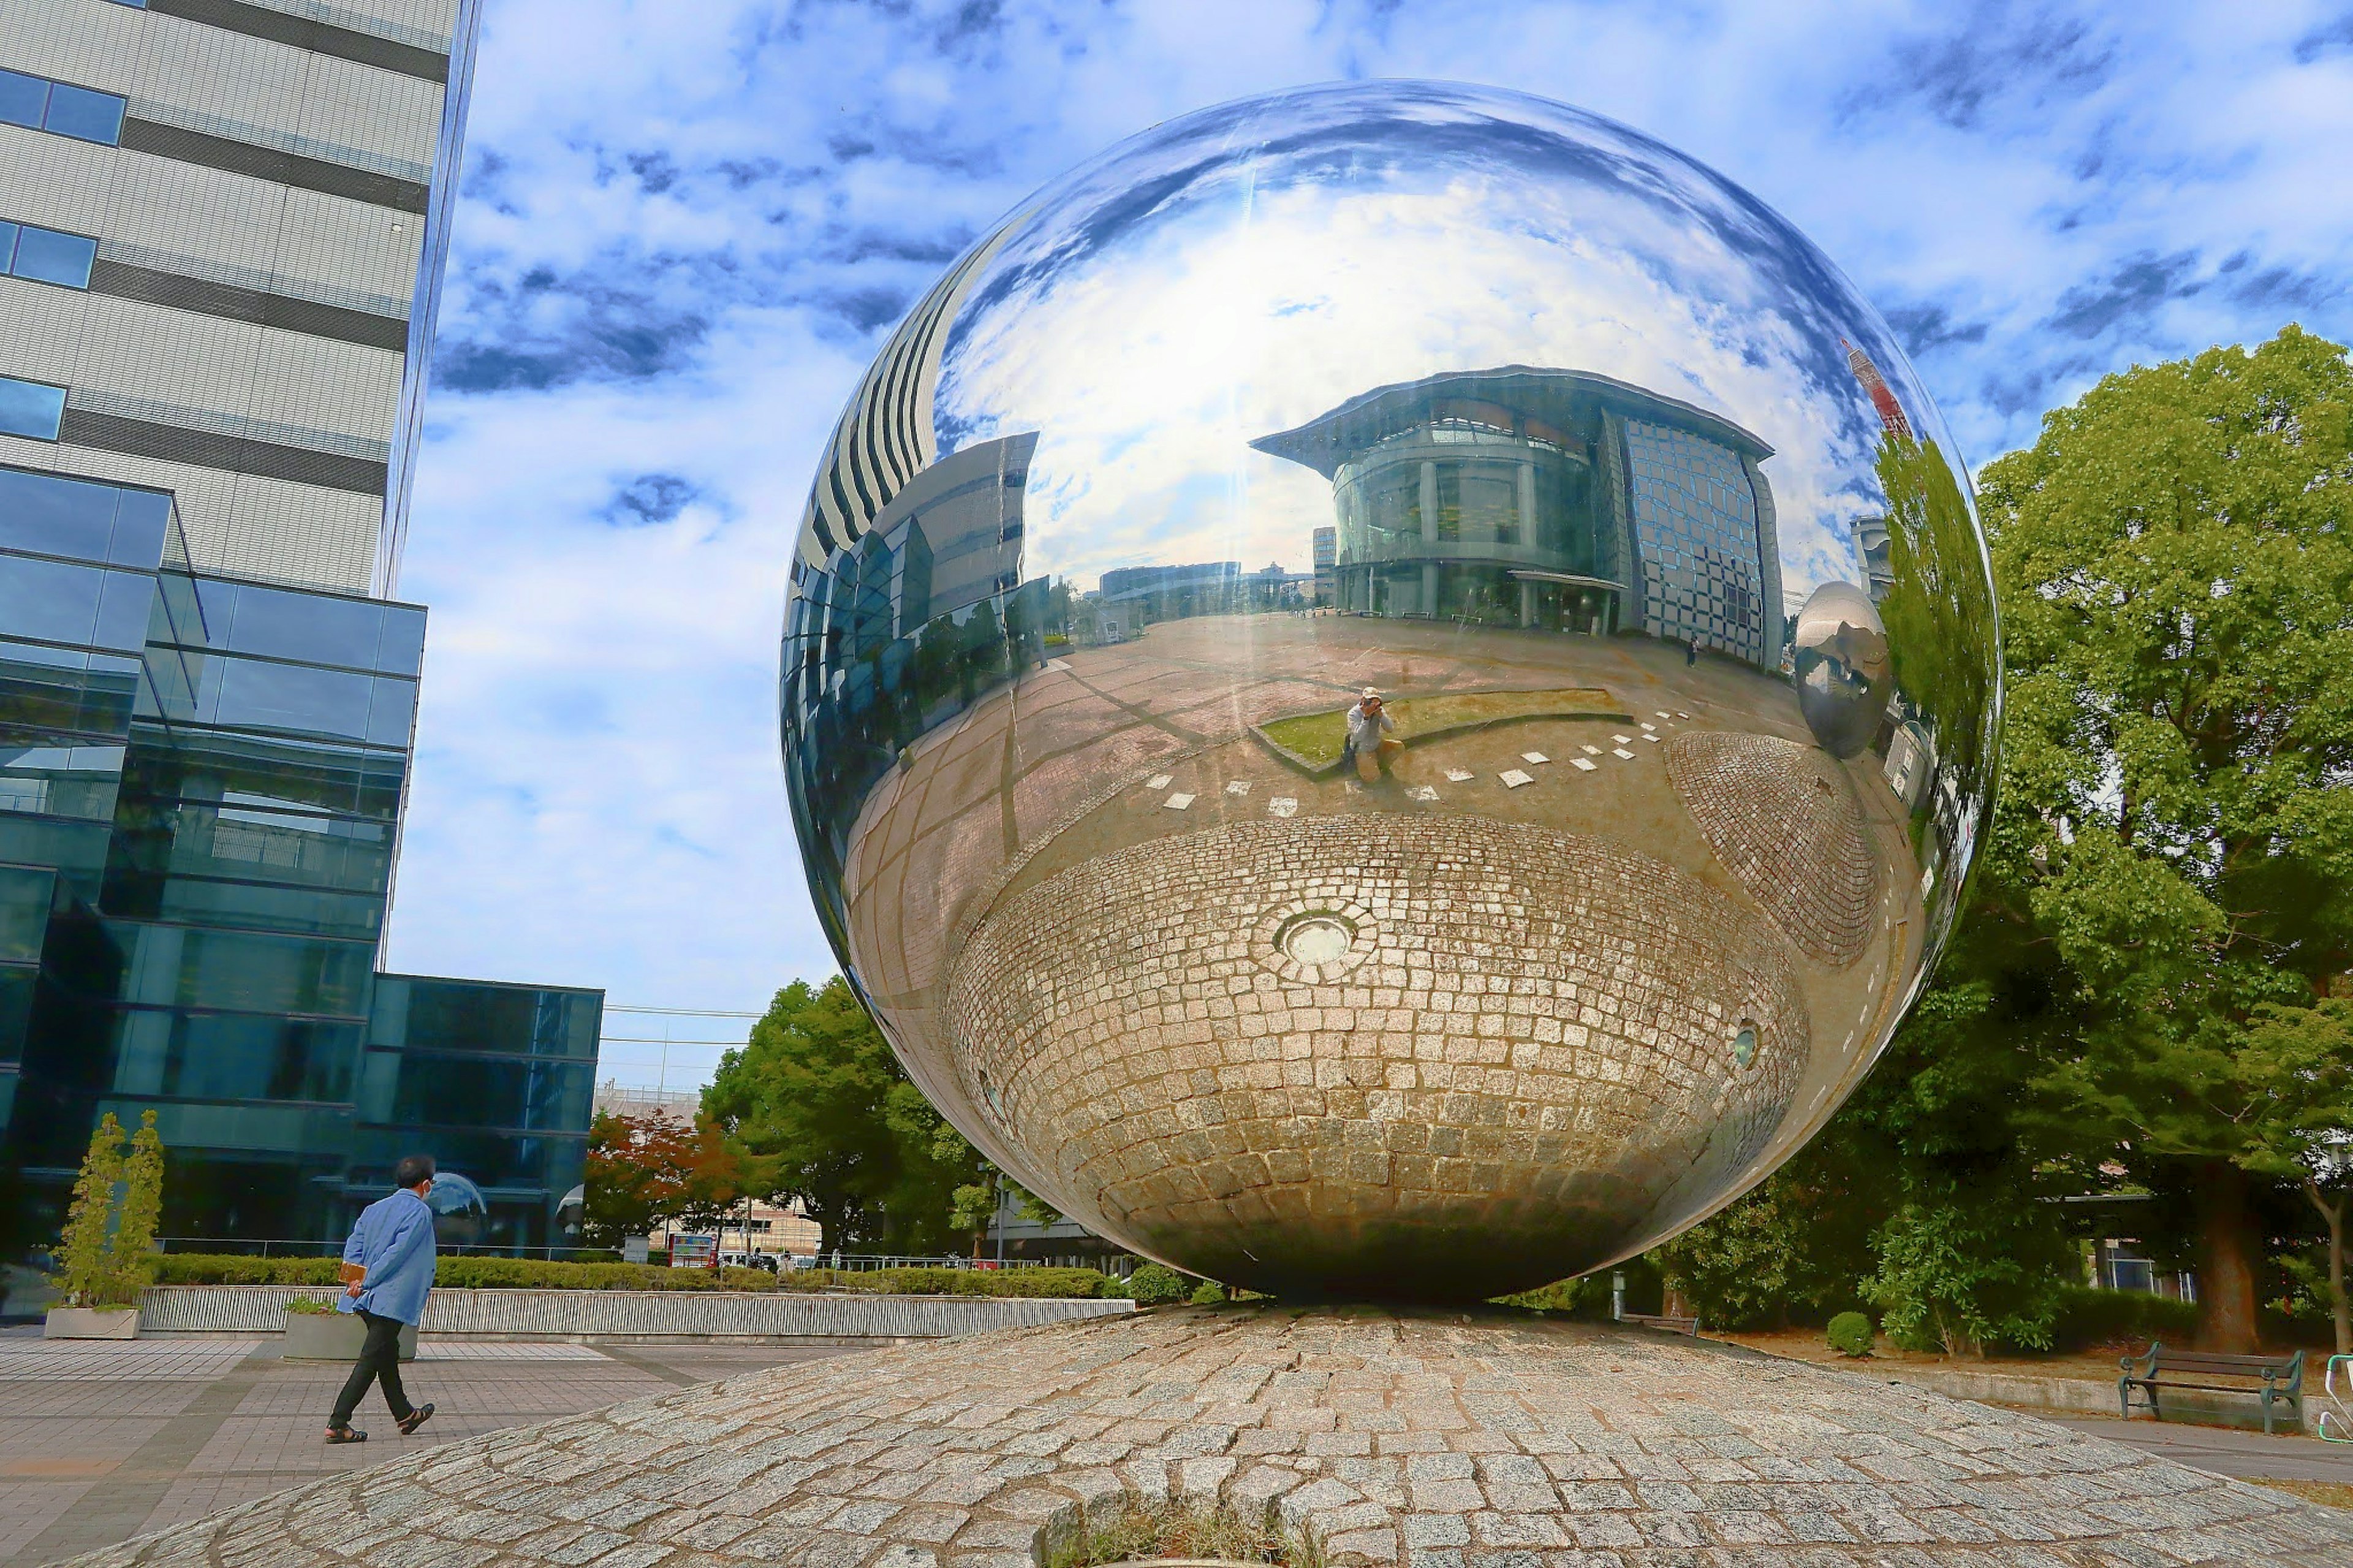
(46, 256)
(54, 105)
(30, 409)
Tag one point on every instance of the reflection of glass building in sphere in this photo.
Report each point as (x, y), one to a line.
(1185, 455)
(1537, 499)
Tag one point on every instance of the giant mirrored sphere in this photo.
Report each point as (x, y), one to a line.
(1542, 434)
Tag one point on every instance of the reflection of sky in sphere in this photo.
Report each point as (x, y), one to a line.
(454, 1195)
(1241, 270)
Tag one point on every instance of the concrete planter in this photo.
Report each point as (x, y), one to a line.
(335, 1336)
(90, 1323)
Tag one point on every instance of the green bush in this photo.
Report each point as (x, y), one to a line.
(1959, 1275)
(311, 1307)
(1851, 1334)
(537, 1274)
(2119, 1319)
(1157, 1284)
(1209, 1293)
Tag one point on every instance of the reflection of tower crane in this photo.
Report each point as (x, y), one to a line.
(1882, 397)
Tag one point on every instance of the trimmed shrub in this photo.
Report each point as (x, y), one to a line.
(1157, 1284)
(1851, 1334)
(537, 1274)
(2120, 1320)
(1209, 1293)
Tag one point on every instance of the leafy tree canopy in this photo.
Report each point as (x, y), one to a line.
(817, 1093)
(2175, 561)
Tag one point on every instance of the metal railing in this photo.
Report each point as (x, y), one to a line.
(849, 1262)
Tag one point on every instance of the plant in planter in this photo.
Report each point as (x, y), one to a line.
(104, 1250)
(316, 1331)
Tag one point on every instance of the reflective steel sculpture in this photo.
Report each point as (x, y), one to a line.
(1541, 431)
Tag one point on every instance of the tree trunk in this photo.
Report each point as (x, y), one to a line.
(2226, 1273)
(2340, 1311)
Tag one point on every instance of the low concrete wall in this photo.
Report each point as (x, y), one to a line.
(642, 1315)
(2080, 1395)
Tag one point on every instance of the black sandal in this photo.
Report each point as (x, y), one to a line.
(414, 1418)
(345, 1434)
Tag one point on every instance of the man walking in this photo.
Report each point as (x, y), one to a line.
(387, 1271)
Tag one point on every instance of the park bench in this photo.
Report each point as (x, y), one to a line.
(2274, 1379)
(1665, 1324)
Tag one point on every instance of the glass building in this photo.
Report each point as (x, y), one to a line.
(1550, 499)
(222, 229)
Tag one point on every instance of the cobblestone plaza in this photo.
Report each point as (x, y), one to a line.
(1430, 1440)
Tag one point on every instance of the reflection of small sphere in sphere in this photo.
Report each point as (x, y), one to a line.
(1842, 667)
(1543, 433)
(461, 1214)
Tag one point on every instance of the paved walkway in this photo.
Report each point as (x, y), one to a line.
(100, 1442)
(2226, 1451)
(1426, 1440)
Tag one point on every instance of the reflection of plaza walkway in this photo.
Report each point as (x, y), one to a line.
(1704, 804)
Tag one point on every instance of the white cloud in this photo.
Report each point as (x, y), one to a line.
(687, 224)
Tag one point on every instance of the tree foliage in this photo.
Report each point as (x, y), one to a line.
(104, 1254)
(645, 1171)
(818, 1095)
(2176, 570)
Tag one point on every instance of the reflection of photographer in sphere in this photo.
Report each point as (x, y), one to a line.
(1368, 746)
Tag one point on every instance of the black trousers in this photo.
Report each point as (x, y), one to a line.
(379, 1361)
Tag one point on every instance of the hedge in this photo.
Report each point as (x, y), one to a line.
(2092, 1320)
(534, 1274)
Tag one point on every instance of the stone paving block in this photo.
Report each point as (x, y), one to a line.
(1506, 1443)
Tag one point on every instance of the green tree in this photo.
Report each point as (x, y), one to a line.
(143, 1199)
(2297, 1067)
(2175, 558)
(818, 1095)
(85, 1271)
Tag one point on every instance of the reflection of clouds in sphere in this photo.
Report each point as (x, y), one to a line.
(1546, 432)
(1468, 228)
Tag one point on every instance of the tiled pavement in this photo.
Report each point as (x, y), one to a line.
(1433, 1440)
(100, 1442)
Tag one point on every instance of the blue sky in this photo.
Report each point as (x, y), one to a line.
(686, 224)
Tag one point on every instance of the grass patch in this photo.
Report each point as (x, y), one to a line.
(1135, 1529)
(2328, 1494)
(1315, 739)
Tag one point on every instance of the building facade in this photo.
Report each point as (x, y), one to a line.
(221, 234)
(1550, 499)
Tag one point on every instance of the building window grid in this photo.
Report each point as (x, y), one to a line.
(38, 103)
(1698, 520)
(45, 255)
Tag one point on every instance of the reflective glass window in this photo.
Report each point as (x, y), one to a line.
(56, 516)
(402, 649)
(8, 246)
(232, 1056)
(141, 520)
(49, 599)
(24, 894)
(30, 409)
(48, 257)
(86, 116)
(271, 696)
(122, 610)
(392, 716)
(23, 98)
(315, 627)
(168, 965)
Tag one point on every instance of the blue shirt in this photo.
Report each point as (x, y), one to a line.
(394, 1239)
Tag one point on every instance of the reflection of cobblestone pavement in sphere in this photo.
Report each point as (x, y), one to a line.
(1422, 1440)
(1783, 820)
(1531, 1040)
